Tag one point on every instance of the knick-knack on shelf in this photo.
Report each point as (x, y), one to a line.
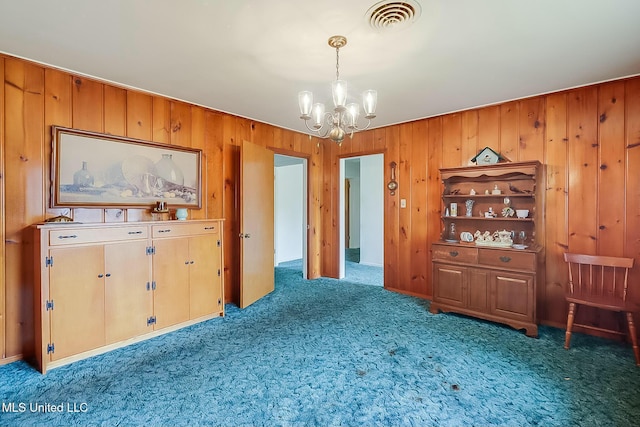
(469, 205)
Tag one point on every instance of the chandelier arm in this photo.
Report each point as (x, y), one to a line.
(319, 130)
(306, 123)
(356, 127)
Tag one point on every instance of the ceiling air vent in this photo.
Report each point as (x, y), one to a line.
(392, 14)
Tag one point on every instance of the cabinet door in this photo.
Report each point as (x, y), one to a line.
(171, 277)
(76, 287)
(478, 290)
(449, 284)
(128, 302)
(512, 295)
(204, 282)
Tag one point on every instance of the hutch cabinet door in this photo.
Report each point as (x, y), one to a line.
(449, 284)
(128, 295)
(76, 287)
(513, 295)
(171, 277)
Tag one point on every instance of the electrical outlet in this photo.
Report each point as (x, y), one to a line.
(403, 203)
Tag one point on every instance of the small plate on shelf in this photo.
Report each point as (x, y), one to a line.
(514, 246)
(451, 240)
(465, 236)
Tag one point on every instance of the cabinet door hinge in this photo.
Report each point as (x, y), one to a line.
(48, 261)
(151, 320)
(49, 305)
(219, 243)
(51, 348)
(151, 250)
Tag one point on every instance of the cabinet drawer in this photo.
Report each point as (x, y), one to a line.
(177, 230)
(508, 259)
(455, 253)
(70, 236)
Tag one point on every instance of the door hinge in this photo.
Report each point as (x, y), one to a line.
(48, 261)
(49, 305)
(219, 243)
(151, 250)
(51, 348)
(151, 320)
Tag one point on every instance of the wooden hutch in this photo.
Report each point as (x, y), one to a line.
(481, 273)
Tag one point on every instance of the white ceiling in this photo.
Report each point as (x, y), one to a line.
(251, 57)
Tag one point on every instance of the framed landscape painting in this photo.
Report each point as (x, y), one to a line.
(90, 169)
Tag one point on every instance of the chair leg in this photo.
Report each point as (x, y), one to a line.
(572, 313)
(634, 337)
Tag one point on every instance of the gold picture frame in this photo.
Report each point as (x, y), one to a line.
(91, 169)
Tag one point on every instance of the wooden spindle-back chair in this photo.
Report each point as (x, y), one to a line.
(601, 282)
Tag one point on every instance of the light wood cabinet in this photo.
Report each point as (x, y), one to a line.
(128, 301)
(170, 277)
(205, 262)
(75, 286)
(178, 259)
(103, 286)
(492, 281)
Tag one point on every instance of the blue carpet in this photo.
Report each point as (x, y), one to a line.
(333, 353)
(354, 271)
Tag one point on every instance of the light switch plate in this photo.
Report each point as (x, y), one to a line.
(403, 203)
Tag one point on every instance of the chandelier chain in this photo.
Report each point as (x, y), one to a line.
(337, 63)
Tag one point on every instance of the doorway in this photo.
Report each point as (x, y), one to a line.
(290, 213)
(362, 219)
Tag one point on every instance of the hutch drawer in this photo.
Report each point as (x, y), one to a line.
(507, 259)
(455, 253)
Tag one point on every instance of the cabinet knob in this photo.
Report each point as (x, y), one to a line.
(100, 276)
(454, 253)
(505, 258)
(108, 275)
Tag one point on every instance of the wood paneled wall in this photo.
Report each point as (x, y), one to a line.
(588, 138)
(33, 98)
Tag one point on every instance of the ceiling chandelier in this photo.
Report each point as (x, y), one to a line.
(344, 118)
